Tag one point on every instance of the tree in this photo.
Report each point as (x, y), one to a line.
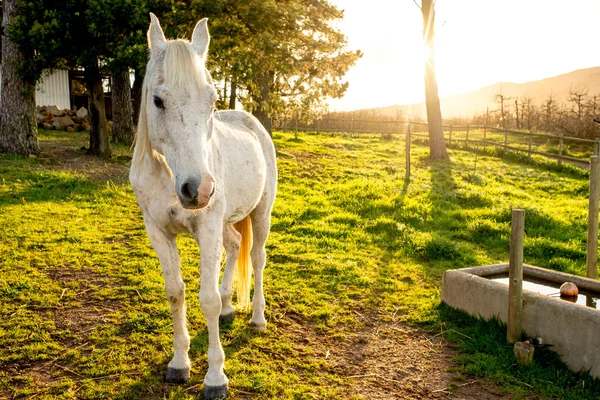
(278, 55)
(18, 127)
(502, 100)
(578, 97)
(58, 34)
(437, 144)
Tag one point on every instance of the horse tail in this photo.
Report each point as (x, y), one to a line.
(243, 268)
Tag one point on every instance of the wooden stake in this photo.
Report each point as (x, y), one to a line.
(515, 276)
(560, 149)
(408, 150)
(592, 236)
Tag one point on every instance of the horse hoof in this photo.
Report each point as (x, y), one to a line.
(258, 326)
(214, 392)
(175, 375)
(226, 319)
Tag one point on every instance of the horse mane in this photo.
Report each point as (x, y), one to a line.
(179, 66)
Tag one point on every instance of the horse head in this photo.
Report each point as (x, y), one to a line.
(177, 108)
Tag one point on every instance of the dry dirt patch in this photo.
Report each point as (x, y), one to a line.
(58, 157)
(385, 359)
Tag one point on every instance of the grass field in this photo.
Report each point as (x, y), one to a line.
(82, 306)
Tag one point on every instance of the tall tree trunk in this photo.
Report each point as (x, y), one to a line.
(262, 101)
(232, 95)
(437, 145)
(18, 127)
(122, 109)
(138, 82)
(99, 144)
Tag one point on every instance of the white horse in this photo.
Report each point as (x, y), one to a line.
(211, 174)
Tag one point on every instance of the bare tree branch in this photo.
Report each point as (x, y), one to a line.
(417, 4)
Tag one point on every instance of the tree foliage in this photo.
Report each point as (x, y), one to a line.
(289, 45)
(284, 56)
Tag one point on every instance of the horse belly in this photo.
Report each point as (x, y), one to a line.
(244, 185)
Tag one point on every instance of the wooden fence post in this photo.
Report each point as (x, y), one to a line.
(515, 277)
(408, 149)
(352, 126)
(467, 140)
(450, 136)
(530, 143)
(597, 147)
(560, 149)
(485, 134)
(318, 125)
(297, 118)
(505, 141)
(592, 234)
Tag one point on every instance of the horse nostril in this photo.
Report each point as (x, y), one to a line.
(186, 192)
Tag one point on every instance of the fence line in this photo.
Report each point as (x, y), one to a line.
(472, 135)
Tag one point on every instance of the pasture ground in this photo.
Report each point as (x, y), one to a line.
(353, 279)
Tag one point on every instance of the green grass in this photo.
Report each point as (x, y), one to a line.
(82, 307)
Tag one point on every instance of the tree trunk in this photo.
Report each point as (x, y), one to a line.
(99, 144)
(232, 95)
(437, 145)
(122, 111)
(138, 82)
(262, 101)
(18, 126)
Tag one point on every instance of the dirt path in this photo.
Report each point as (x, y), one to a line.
(385, 359)
(55, 155)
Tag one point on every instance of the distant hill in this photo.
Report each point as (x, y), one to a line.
(476, 102)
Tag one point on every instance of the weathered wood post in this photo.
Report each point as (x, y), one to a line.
(352, 126)
(560, 149)
(484, 134)
(530, 142)
(515, 276)
(408, 149)
(505, 141)
(592, 235)
(450, 136)
(467, 140)
(597, 147)
(297, 118)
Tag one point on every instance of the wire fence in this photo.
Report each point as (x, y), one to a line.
(557, 147)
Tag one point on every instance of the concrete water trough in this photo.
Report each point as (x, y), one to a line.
(572, 328)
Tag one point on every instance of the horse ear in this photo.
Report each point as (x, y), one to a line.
(156, 38)
(201, 38)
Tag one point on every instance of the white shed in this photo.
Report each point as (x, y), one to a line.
(54, 90)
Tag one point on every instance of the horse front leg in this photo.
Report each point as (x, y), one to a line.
(165, 245)
(209, 237)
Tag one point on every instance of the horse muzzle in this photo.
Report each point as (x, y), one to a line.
(195, 193)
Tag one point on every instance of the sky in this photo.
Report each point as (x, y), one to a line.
(478, 43)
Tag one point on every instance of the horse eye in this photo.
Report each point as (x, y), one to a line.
(158, 102)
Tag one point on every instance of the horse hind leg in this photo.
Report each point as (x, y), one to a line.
(261, 222)
(231, 242)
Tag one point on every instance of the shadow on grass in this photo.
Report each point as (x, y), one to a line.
(153, 385)
(30, 185)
